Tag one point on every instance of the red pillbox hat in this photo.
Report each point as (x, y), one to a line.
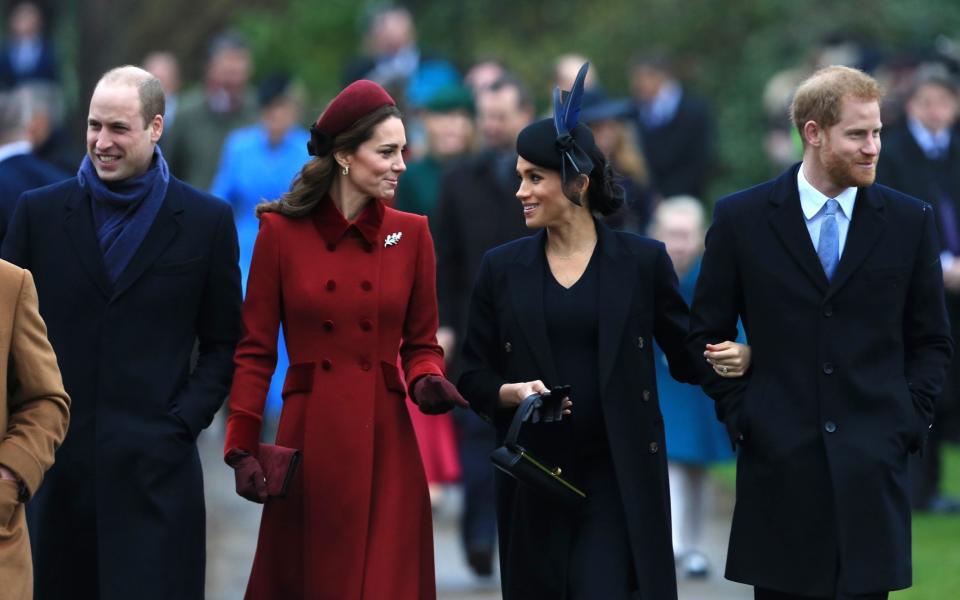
(356, 100)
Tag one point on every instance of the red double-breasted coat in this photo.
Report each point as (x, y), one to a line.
(356, 522)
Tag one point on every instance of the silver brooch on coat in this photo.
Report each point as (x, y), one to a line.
(393, 239)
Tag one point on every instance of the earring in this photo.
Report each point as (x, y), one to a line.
(346, 170)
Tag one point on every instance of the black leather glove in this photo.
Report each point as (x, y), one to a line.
(435, 395)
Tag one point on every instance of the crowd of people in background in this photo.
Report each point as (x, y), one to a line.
(241, 135)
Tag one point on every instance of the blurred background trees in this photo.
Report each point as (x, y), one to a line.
(726, 51)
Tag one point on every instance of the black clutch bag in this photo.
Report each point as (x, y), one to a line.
(516, 462)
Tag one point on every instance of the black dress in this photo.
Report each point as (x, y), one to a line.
(599, 552)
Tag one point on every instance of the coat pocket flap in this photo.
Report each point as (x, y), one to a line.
(299, 378)
(393, 379)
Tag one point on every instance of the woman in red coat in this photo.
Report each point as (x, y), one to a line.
(353, 283)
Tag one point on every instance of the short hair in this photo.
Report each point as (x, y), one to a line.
(508, 81)
(152, 98)
(933, 74)
(43, 97)
(679, 204)
(819, 97)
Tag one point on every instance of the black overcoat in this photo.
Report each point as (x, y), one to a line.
(507, 341)
(841, 388)
(125, 496)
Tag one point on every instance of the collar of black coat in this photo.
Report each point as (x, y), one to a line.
(333, 226)
(607, 243)
(786, 189)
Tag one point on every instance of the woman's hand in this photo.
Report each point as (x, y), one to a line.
(435, 395)
(248, 476)
(729, 359)
(512, 394)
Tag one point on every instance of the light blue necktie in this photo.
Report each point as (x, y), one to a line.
(828, 248)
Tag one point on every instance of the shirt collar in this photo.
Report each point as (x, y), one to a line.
(14, 149)
(812, 199)
(931, 142)
(333, 226)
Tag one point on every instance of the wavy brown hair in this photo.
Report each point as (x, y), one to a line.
(314, 180)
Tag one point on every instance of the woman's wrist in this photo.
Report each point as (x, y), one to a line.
(508, 395)
(512, 394)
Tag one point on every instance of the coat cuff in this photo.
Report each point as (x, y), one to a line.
(418, 370)
(23, 464)
(243, 433)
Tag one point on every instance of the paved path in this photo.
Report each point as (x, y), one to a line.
(232, 525)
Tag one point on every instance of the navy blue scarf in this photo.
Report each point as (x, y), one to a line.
(123, 211)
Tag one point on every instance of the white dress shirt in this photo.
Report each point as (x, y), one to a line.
(813, 203)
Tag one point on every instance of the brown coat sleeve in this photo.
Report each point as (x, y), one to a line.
(37, 404)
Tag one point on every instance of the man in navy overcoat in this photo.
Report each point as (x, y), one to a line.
(839, 286)
(133, 267)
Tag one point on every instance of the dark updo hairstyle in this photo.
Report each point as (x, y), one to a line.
(604, 195)
(314, 180)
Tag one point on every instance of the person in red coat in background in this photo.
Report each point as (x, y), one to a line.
(353, 282)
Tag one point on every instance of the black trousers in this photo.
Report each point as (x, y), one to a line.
(765, 594)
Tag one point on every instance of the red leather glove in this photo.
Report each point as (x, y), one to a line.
(251, 484)
(435, 395)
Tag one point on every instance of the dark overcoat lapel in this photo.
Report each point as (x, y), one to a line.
(618, 277)
(865, 229)
(165, 227)
(786, 218)
(78, 222)
(525, 280)
(617, 271)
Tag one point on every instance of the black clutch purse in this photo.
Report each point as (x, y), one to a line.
(516, 462)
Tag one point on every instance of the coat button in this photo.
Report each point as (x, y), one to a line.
(830, 426)
(366, 325)
(328, 325)
(828, 368)
(365, 365)
(331, 285)
(326, 365)
(828, 311)
(508, 347)
(331, 247)
(366, 286)
(654, 447)
(640, 342)
(646, 395)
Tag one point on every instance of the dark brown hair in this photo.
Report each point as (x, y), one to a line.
(604, 195)
(314, 180)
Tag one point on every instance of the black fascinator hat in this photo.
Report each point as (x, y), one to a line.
(561, 143)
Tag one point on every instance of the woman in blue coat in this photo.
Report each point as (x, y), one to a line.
(695, 438)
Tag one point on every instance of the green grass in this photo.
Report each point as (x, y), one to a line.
(936, 539)
(936, 545)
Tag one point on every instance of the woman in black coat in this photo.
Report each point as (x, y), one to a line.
(580, 304)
